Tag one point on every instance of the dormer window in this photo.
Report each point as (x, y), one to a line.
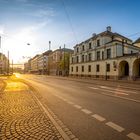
(98, 42)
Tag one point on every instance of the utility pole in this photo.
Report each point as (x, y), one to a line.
(12, 66)
(8, 64)
(0, 42)
(49, 45)
(64, 62)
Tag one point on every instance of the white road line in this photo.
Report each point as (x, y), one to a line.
(115, 126)
(86, 111)
(71, 103)
(114, 91)
(103, 87)
(119, 90)
(77, 106)
(98, 117)
(133, 136)
(93, 88)
(61, 131)
(124, 98)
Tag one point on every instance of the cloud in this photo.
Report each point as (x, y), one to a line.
(40, 13)
(21, 0)
(2, 29)
(35, 27)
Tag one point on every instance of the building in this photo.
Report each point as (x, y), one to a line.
(26, 67)
(106, 55)
(59, 61)
(50, 62)
(137, 42)
(43, 63)
(34, 64)
(4, 64)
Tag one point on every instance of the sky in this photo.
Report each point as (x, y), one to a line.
(27, 26)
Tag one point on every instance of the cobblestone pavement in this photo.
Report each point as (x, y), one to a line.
(22, 118)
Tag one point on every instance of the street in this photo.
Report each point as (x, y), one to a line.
(100, 110)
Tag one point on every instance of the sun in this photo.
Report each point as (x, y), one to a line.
(19, 45)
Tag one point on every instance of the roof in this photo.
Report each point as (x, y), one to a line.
(105, 33)
(64, 49)
(137, 41)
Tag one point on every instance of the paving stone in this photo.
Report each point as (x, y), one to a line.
(22, 118)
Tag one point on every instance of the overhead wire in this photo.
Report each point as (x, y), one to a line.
(134, 34)
(69, 20)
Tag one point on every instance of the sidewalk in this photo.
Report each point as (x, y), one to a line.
(22, 118)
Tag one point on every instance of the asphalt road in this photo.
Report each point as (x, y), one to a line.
(92, 111)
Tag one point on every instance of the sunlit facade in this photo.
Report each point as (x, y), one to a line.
(58, 64)
(4, 64)
(106, 55)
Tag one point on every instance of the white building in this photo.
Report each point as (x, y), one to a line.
(105, 55)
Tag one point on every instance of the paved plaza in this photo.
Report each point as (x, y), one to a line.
(21, 117)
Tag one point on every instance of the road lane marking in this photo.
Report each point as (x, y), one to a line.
(115, 126)
(93, 88)
(133, 136)
(64, 99)
(77, 106)
(121, 93)
(112, 91)
(71, 103)
(86, 111)
(115, 91)
(115, 95)
(61, 131)
(119, 90)
(98, 117)
(103, 87)
(124, 98)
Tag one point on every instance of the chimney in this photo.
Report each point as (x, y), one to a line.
(94, 34)
(108, 28)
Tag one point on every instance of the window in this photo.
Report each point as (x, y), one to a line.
(83, 58)
(77, 50)
(71, 69)
(82, 68)
(83, 48)
(107, 67)
(89, 56)
(72, 60)
(98, 42)
(97, 68)
(108, 53)
(76, 68)
(98, 55)
(77, 59)
(102, 55)
(90, 45)
(89, 68)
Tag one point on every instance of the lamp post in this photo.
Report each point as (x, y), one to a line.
(106, 71)
(0, 42)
